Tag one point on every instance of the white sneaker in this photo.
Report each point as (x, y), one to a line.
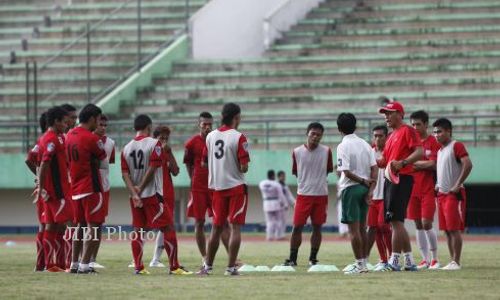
(356, 270)
(452, 266)
(349, 267)
(434, 265)
(132, 265)
(96, 265)
(156, 264)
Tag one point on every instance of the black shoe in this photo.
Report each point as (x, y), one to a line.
(290, 263)
(313, 262)
(73, 270)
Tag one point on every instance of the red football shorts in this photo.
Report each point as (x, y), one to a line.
(200, 203)
(152, 215)
(376, 215)
(106, 202)
(230, 206)
(451, 211)
(40, 211)
(57, 211)
(90, 209)
(422, 204)
(310, 206)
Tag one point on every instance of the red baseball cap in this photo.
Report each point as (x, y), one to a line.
(392, 106)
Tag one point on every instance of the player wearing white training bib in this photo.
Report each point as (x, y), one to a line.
(273, 201)
(226, 155)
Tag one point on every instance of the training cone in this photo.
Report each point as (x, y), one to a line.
(283, 269)
(247, 268)
(262, 269)
(323, 268)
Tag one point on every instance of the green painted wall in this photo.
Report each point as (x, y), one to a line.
(15, 174)
(161, 64)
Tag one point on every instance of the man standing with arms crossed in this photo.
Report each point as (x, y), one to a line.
(273, 203)
(453, 167)
(359, 170)
(311, 164)
(227, 157)
(422, 206)
(402, 149)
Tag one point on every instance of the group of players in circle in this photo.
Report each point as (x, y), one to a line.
(72, 194)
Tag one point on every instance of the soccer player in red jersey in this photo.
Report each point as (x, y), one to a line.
(312, 162)
(453, 166)
(109, 147)
(402, 149)
(379, 232)
(200, 201)
(54, 189)
(141, 162)
(169, 167)
(33, 163)
(422, 205)
(226, 155)
(86, 155)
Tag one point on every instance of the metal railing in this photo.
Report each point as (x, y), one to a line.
(98, 56)
(274, 133)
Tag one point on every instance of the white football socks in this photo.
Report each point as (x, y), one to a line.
(433, 242)
(422, 244)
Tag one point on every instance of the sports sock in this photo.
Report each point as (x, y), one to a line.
(159, 246)
(60, 250)
(387, 236)
(433, 243)
(360, 263)
(409, 259)
(422, 244)
(137, 248)
(49, 238)
(293, 254)
(68, 238)
(394, 260)
(231, 269)
(40, 256)
(314, 253)
(381, 247)
(170, 244)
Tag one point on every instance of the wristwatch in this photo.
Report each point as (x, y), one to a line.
(404, 162)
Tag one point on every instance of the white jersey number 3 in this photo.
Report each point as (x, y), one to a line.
(220, 146)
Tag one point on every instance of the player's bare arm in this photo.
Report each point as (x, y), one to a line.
(424, 165)
(373, 184)
(42, 173)
(464, 173)
(146, 179)
(367, 182)
(132, 190)
(415, 156)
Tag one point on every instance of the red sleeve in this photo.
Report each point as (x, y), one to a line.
(125, 168)
(33, 155)
(97, 147)
(112, 156)
(329, 165)
(188, 154)
(243, 155)
(156, 156)
(294, 165)
(460, 151)
(50, 150)
(412, 138)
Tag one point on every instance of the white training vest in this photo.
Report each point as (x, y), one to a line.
(378, 192)
(109, 146)
(448, 169)
(223, 165)
(312, 170)
(272, 195)
(137, 155)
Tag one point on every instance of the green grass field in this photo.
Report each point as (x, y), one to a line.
(479, 278)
